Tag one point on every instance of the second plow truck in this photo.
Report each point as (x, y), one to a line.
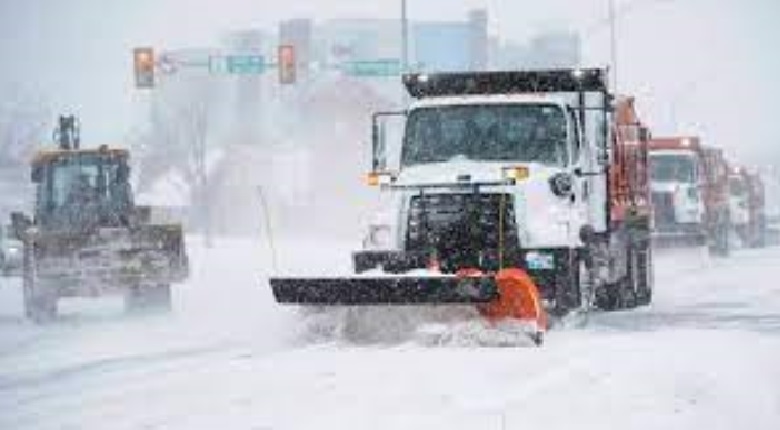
(689, 183)
(87, 237)
(515, 192)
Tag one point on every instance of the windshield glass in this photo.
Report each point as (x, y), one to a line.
(511, 132)
(86, 180)
(672, 168)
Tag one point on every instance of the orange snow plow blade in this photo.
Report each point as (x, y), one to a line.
(508, 295)
(518, 299)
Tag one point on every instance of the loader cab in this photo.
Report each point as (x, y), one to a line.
(82, 188)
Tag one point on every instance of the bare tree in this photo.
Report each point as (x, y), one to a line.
(24, 124)
(177, 140)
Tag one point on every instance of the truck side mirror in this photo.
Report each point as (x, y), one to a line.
(377, 146)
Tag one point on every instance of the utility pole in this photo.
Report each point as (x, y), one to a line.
(404, 38)
(404, 49)
(613, 45)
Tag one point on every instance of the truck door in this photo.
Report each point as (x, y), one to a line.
(593, 161)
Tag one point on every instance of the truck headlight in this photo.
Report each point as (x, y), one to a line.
(516, 173)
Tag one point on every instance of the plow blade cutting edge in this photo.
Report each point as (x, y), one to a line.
(385, 290)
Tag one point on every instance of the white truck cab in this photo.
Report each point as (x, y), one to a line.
(677, 186)
(534, 141)
(519, 171)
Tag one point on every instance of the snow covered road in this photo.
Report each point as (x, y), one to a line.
(705, 355)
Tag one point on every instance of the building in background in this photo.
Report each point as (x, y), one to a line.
(554, 50)
(441, 46)
(479, 43)
(248, 95)
(548, 50)
(434, 45)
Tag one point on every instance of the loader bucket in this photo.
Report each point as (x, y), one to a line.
(385, 290)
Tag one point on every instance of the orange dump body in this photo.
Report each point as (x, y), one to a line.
(629, 176)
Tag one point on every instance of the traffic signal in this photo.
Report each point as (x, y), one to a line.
(287, 66)
(143, 65)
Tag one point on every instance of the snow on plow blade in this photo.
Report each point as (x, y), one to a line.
(385, 290)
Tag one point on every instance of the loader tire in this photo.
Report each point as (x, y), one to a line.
(40, 302)
(145, 299)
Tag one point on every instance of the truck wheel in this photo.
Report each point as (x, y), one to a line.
(621, 294)
(645, 278)
(148, 298)
(608, 297)
(573, 289)
(720, 246)
(630, 291)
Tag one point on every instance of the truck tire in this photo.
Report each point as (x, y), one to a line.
(720, 245)
(149, 298)
(645, 276)
(573, 289)
(608, 297)
(622, 294)
(630, 292)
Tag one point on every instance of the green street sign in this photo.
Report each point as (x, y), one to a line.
(245, 64)
(383, 67)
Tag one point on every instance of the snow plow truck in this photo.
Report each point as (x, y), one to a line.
(87, 237)
(518, 192)
(677, 181)
(690, 194)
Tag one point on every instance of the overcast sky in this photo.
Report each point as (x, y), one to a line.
(711, 63)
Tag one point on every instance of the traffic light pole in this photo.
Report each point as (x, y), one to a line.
(613, 45)
(404, 38)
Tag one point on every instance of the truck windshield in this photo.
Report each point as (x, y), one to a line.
(511, 132)
(672, 168)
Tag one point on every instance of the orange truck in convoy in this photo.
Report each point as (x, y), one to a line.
(747, 205)
(716, 200)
